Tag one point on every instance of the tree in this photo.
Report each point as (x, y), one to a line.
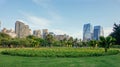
(93, 43)
(30, 37)
(116, 33)
(58, 43)
(75, 42)
(50, 39)
(70, 41)
(105, 42)
(4, 38)
(14, 43)
(3, 35)
(63, 42)
(5, 42)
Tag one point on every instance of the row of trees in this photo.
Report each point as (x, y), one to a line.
(32, 41)
(49, 41)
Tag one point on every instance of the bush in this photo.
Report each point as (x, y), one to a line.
(58, 52)
(115, 46)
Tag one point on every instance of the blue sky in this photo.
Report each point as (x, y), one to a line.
(61, 16)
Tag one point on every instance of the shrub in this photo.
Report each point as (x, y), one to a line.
(58, 52)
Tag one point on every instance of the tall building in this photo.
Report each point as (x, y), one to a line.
(61, 37)
(21, 29)
(37, 33)
(87, 32)
(9, 32)
(98, 31)
(45, 33)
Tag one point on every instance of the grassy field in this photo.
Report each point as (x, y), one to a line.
(17, 61)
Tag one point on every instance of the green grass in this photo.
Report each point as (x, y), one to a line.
(19, 61)
(102, 61)
(58, 52)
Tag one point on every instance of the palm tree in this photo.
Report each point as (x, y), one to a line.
(65, 42)
(75, 42)
(93, 43)
(50, 39)
(105, 42)
(70, 41)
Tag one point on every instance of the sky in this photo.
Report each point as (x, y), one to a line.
(61, 16)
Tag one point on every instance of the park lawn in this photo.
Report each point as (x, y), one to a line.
(18, 61)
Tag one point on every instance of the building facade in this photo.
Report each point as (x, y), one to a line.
(87, 32)
(98, 31)
(45, 33)
(37, 33)
(62, 37)
(10, 32)
(21, 29)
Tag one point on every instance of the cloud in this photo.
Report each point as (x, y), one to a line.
(49, 8)
(36, 22)
(76, 34)
(107, 31)
(26, 23)
(59, 32)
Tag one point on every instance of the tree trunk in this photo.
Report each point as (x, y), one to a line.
(105, 49)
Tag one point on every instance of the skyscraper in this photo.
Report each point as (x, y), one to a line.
(45, 33)
(98, 31)
(87, 32)
(21, 29)
(37, 33)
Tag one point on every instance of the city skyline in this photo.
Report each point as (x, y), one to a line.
(61, 17)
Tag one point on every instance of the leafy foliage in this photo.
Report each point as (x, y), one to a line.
(116, 33)
(106, 42)
(58, 52)
(93, 43)
(3, 35)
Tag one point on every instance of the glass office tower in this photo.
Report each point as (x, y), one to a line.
(98, 31)
(87, 32)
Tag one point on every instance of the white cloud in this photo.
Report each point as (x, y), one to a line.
(107, 31)
(49, 8)
(36, 22)
(59, 32)
(26, 23)
(76, 34)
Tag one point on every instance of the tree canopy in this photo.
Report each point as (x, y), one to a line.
(116, 33)
(3, 35)
(106, 42)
